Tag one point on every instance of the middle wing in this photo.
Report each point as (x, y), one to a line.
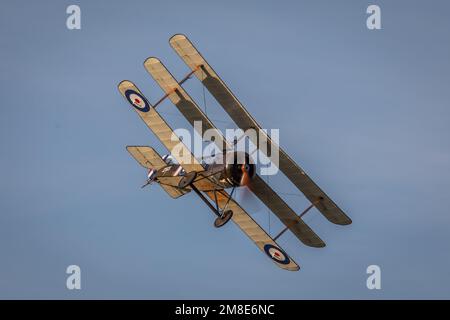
(263, 191)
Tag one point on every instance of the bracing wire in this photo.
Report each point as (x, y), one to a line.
(268, 211)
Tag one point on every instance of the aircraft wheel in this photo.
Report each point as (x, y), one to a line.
(221, 221)
(187, 180)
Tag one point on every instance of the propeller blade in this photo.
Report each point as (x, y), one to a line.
(247, 199)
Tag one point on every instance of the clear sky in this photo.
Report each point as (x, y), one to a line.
(365, 113)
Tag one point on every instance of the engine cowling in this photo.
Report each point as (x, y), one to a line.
(238, 169)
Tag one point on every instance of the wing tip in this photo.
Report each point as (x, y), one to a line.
(293, 269)
(318, 245)
(314, 243)
(348, 222)
(123, 82)
(343, 222)
(151, 60)
(177, 36)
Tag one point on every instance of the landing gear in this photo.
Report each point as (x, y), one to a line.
(223, 219)
(223, 215)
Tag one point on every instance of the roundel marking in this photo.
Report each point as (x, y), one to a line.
(137, 100)
(276, 254)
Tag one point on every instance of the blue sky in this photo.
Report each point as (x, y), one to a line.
(365, 113)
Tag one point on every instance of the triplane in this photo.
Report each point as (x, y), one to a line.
(210, 181)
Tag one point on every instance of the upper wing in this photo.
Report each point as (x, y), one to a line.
(264, 192)
(186, 50)
(162, 130)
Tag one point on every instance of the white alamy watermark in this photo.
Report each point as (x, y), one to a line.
(262, 148)
(374, 280)
(74, 279)
(73, 21)
(373, 22)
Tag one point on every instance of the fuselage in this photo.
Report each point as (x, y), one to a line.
(218, 175)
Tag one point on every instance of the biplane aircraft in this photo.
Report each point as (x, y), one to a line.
(211, 181)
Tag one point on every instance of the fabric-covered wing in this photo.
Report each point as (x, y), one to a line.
(179, 97)
(289, 218)
(159, 127)
(264, 192)
(186, 50)
(162, 130)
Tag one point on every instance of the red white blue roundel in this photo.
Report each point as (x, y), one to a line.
(276, 254)
(137, 100)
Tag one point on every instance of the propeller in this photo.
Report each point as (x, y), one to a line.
(245, 180)
(245, 194)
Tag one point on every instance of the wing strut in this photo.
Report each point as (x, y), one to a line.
(187, 77)
(190, 110)
(223, 215)
(300, 216)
